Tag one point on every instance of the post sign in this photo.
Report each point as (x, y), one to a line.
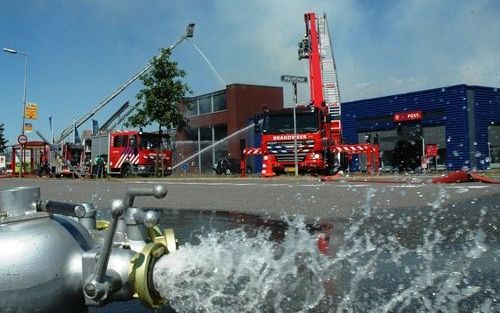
(293, 79)
(407, 116)
(22, 139)
(31, 111)
(431, 150)
(2, 161)
(28, 127)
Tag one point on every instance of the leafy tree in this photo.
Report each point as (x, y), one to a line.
(158, 101)
(3, 141)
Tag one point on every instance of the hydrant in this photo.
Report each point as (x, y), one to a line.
(55, 256)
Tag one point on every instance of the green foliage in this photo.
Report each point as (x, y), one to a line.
(3, 141)
(159, 100)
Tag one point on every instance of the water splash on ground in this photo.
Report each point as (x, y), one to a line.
(233, 271)
(378, 262)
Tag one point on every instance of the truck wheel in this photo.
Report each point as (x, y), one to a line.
(126, 171)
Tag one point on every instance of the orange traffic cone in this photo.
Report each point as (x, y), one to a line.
(267, 168)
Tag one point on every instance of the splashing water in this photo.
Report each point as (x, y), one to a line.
(379, 262)
(234, 272)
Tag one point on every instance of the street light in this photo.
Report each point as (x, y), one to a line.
(13, 51)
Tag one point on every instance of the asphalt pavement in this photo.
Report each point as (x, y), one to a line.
(284, 195)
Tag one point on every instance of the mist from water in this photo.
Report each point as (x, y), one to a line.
(372, 266)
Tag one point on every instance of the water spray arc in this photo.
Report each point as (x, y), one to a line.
(219, 77)
(212, 145)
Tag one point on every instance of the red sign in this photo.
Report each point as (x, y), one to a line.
(431, 150)
(22, 139)
(407, 116)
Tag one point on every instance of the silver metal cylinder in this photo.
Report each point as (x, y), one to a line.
(19, 201)
(40, 267)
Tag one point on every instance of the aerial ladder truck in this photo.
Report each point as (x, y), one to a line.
(68, 158)
(318, 131)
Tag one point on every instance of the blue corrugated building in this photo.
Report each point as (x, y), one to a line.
(462, 121)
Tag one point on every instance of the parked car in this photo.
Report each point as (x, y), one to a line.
(229, 166)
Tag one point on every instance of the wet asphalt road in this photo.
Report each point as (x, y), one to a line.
(274, 197)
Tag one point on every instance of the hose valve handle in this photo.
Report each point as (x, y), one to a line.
(97, 288)
(158, 192)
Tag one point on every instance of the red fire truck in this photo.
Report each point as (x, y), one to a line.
(130, 152)
(320, 147)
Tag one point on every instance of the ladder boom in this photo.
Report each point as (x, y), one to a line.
(330, 79)
(68, 130)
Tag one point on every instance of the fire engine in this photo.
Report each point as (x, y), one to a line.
(318, 137)
(130, 152)
(75, 158)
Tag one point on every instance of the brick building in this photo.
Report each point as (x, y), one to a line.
(214, 116)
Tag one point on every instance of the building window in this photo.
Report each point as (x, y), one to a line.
(403, 146)
(220, 132)
(220, 102)
(494, 145)
(192, 108)
(205, 105)
(120, 141)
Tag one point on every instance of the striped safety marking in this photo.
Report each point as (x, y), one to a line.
(252, 151)
(128, 156)
(352, 148)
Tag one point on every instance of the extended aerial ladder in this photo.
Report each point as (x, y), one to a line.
(54, 146)
(325, 94)
(110, 122)
(70, 128)
(316, 47)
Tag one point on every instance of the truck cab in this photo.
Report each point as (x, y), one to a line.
(133, 152)
(278, 140)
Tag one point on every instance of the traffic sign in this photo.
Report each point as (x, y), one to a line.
(293, 79)
(22, 139)
(31, 111)
(431, 150)
(28, 127)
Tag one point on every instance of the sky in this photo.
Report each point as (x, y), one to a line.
(79, 52)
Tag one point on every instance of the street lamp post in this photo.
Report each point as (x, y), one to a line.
(13, 51)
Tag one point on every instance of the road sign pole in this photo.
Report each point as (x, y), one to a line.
(296, 161)
(21, 139)
(294, 80)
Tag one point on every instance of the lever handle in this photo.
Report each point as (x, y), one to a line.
(158, 192)
(96, 288)
(69, 209)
